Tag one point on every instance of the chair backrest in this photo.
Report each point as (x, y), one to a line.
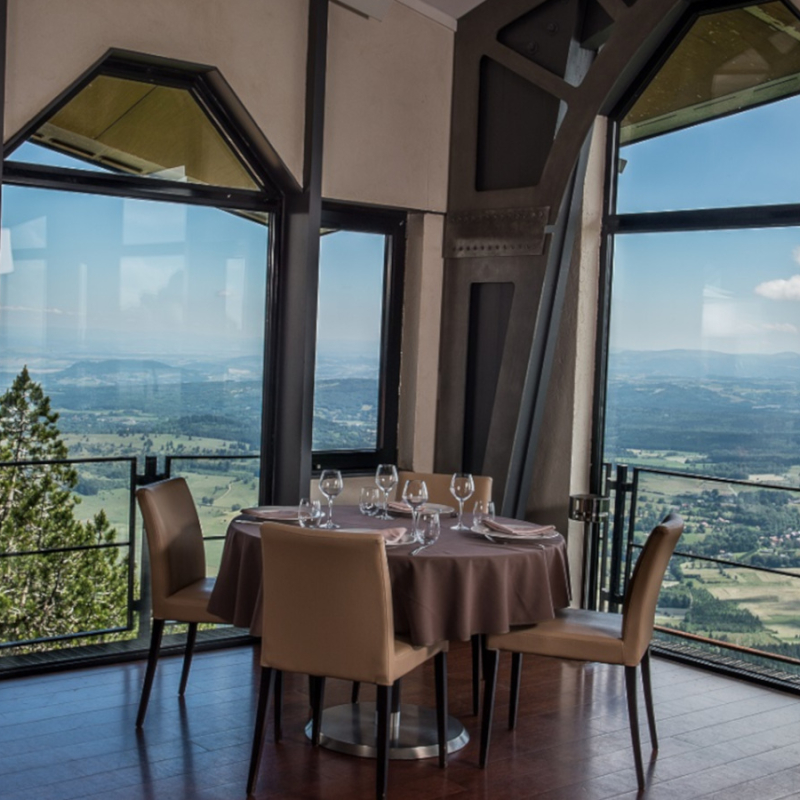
(639, 608)
(174, 538)
(438, 484)
(327, 603)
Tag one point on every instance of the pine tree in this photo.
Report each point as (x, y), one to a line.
(63, 592)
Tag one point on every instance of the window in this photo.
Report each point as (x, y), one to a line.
(133, 293)
(358, 338)
(703, 364)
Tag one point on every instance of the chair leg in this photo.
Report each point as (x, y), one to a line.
(396, 695)
(277, 705)
(633, 717)
(317, 700)
(513, 699)
(648, 699)
(477, 647)
(355, 692)
(267, 680)
(152, 660)
(191, 636)
(490, 661)
(440, 665)
(382, 772)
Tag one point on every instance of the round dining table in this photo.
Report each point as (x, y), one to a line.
(466, 583)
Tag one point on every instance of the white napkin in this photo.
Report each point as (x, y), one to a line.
(399, 506)
(520, 529)
(394, 535)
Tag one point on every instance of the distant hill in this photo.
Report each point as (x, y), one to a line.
(704, 364)
(120, 371)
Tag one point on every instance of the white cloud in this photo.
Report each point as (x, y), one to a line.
(780, 288)
(780, 327)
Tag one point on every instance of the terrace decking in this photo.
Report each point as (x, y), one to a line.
(72, 735)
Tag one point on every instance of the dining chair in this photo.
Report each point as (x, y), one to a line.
(438, 484)
(328, 613)
(179, 586)
(586, 635)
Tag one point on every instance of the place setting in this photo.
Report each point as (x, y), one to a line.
(485, 523)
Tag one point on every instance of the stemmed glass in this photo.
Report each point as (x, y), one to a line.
(415, 493)
(331, 485)
(461, 486)
(386, 480)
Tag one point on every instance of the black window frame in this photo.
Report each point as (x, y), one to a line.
(678, 221)
(392, 224)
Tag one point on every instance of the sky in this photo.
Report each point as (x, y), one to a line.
(732, 291)
(88, 276)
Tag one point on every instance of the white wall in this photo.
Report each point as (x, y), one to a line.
(387, 116)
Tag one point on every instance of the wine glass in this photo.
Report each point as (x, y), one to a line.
(461, 486)
(386, 480)
(331, 485)
(369, 500)
(415, 493)
(308, 513)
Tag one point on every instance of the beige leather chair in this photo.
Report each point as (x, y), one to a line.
(180, 588)
(328, 613)
(439, 488)
(439, 492)
(595, 636)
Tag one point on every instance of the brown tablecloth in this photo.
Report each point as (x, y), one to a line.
(462, 585)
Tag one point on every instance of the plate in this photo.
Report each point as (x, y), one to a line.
(404, 542)
(482, 530)
(272, 513)
(426, 508)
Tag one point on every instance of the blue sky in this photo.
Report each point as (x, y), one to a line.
(733, 291)
(89, 276)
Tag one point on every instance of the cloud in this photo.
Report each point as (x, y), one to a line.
(780, 327)
(780, 288)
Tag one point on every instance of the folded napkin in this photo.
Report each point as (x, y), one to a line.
(518, 529)
(399, 506)
(394, 535)
(275, 514)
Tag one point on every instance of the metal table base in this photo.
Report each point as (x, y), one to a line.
(350, 729)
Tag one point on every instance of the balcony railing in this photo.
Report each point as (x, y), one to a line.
(106, 485)
(734, 582)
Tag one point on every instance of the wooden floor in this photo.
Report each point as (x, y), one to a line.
(71, 735)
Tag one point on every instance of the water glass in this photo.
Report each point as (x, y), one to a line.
(369, 500)
(483, 510)
(309, 513)
(430, 529)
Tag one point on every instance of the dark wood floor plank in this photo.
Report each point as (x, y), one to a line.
(719, 738)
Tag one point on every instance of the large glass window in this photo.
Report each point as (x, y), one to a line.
(134, 272)
(358, 330)
(703, 369)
